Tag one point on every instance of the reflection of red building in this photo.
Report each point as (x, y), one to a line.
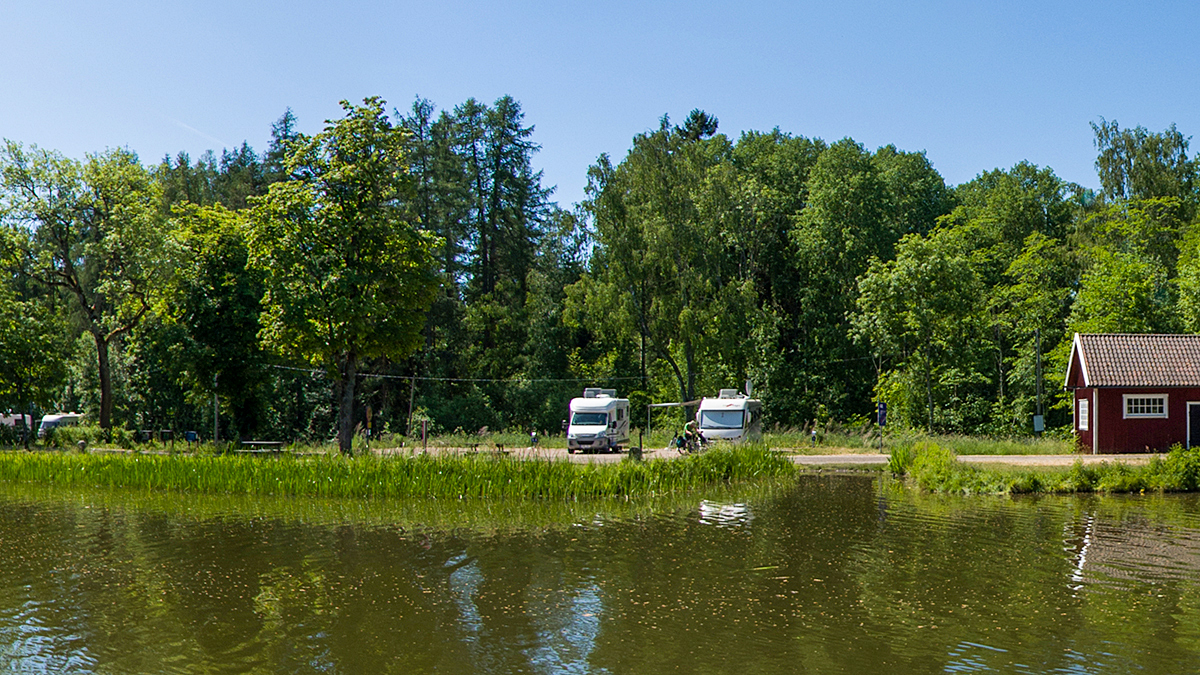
(1135, 393)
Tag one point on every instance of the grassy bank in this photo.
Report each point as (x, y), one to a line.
(830, 438)
(934, 468)
(960, 445)
(431, 476)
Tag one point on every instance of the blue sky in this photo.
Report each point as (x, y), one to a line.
(975, 85)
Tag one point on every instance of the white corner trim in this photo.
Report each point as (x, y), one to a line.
(1077, 353)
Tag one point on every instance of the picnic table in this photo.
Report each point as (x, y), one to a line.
(260, 447)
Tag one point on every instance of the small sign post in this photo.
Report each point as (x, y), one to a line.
(881, 420)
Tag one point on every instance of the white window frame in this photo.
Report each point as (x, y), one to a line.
(1082, 413)
(1166, 408)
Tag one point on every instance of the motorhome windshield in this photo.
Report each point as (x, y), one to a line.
(720, 419)
(589, 419)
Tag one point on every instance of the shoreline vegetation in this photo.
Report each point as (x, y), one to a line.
(434, 476)
(934, 468)
(831, 438)
(322, 472)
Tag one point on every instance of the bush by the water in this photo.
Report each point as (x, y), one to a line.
(68, 438)
(436, 476)
(936, 469)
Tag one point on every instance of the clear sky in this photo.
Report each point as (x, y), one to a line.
(976, 85)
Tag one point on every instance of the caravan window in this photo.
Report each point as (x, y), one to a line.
(589, 419)
(720, 419)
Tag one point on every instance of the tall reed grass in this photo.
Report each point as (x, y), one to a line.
(432, 476)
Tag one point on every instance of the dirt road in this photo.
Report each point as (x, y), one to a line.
(841, 459)
(1011, 460)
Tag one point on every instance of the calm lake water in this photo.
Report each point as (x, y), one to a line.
(831, 574)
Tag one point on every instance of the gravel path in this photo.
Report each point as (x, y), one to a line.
(1011, 460)
(841, 459)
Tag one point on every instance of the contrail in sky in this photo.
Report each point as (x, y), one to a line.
(201, 134)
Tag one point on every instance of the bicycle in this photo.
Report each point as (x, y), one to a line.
(686, 446)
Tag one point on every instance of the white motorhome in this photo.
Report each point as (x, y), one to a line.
(599, 422)
(15, 419)
(55, 420)
(732, 416)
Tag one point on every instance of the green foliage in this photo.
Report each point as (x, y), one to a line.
(1123, 293)
(219, 298)
(95, 235)
(1135, 163)
(348, 274)
(33, 342)
(934, 469)
(663, 276)
(424, 246)
(430, 476)
(901, 458)
(918, 306)
(1179, 471)
(68, 437)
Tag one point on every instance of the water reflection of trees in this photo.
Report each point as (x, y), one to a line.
(835, 574)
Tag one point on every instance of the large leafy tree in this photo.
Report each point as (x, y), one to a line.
(661, 270)
(1138, 164)
(95, 233)
(218, 302)
(348, 273)
(860, 205)
(476, 188)
(33, 336)
(1012, 225)
(918, 308)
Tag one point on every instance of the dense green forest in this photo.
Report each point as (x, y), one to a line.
(413, 268)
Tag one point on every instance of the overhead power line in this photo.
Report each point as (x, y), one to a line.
(463, 379)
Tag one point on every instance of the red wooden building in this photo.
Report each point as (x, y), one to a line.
(1135, 393)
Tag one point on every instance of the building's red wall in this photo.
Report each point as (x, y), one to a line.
(1084, 437)
(1117, 434)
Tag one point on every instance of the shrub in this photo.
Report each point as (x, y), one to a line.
(1024, 483)
(68, 437)
(1080, 478)
(10, 437)
(1116, 477)
(901, 459)
(1179, 471)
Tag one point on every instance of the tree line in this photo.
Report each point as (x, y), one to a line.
(407, 269)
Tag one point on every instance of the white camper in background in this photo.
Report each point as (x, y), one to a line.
(732, 416)
(56, 420)
(599, 422)
(15, 419)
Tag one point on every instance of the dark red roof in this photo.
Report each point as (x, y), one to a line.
(1123, 360)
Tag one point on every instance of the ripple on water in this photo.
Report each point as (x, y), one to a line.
(829, 576)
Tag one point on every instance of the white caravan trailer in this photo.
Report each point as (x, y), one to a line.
(56, 420)
(732, 416)
(599, 422)
(15, 419)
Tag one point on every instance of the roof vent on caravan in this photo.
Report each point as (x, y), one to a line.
(729, 393)
(596, 392)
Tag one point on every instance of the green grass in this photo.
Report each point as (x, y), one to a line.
(831, 438)
(935, 468)
(841, 438)
(433, 476)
